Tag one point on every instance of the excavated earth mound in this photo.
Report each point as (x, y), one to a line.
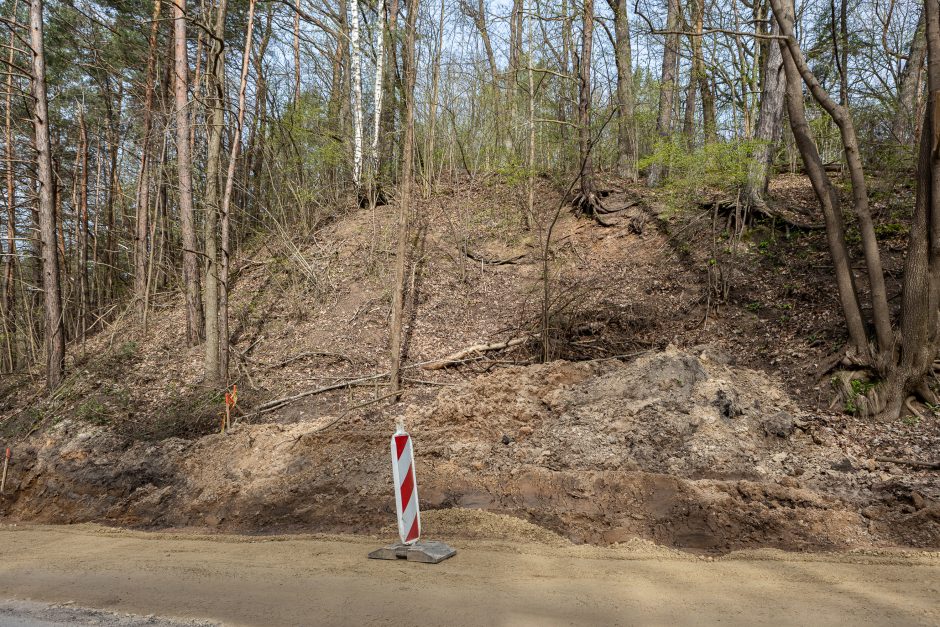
(674, 447)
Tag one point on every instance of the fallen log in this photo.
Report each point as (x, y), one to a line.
(461, 355)
(464, 356)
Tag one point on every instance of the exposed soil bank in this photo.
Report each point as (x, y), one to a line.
(298, 580)
(675, 447)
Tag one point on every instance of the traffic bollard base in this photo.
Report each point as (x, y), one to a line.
(428, 552)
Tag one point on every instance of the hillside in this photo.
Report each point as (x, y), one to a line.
(687, 400)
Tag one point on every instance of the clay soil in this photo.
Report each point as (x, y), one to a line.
(685, 401)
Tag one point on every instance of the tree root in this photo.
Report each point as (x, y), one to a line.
(589, 204)
(911, 408)
(465, 249)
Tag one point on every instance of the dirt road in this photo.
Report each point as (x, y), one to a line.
(307, 580)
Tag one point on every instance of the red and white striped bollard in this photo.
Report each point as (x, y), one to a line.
(406, 488)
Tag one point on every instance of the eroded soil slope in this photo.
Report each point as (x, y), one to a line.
(673, 446)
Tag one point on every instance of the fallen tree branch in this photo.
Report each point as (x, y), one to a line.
(465, 356)
(280, 402)
(476, 349)
(909, 462)
(289, 360)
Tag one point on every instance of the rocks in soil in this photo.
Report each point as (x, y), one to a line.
(779, 424)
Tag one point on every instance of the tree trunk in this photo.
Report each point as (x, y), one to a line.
(903, 126)
(387, 141)
(515, 45)
(828, 200)
(768, 122)
(921, 279)
(257, 143)
(478, 15)
(588, 198)
(378, 91)
(296, 52)
(404, 204)
(432, 105)
(667, 87)
(82, 229)
(143, 180)
(52, 300)
(626, 125)
(567, 91)
(194, 320)
(530, 205)
(356, 94)
(339, 97)
(695, 73)
(114, 144)
(843, 119)
(9, 266)
(709, 126)
(215, 105)
(229, 187)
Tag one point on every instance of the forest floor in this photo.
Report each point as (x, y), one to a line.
(687, 401)
(291, 580)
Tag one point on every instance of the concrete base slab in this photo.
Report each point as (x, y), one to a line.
(428, 552)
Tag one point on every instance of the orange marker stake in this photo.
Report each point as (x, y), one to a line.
(231, 399)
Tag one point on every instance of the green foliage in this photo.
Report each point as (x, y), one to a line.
(513, 172)
(858, 387)
(127, 350)
(93, 411)
(911, 421)
(309, 126)
(693, 175)
(891, 229)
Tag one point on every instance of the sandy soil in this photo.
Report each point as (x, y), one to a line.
(291, 580)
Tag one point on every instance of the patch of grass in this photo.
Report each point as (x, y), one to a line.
(127, 350)
(891, 229)
(93, 411)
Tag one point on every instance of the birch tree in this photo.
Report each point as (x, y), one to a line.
(356, 93)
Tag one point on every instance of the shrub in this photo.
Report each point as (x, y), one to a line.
(694, 176)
